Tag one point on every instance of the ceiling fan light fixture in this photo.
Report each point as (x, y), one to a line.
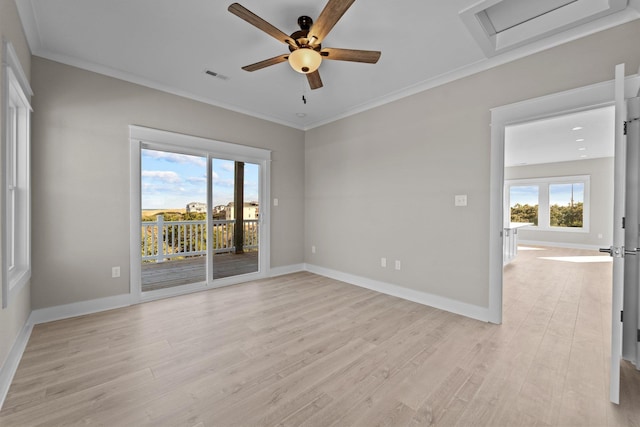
(305, 60)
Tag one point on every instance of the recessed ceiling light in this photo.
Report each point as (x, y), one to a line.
(577, 128)
(522, 163)
(301, 115)
(584, 156)
(579, 139)
(582, 149)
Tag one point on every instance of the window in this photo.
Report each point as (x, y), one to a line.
(566, 203)
(551, 204)
(524, 203)
(16, 190)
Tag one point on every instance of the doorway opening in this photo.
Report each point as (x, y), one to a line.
(556, 178)
(558, 181)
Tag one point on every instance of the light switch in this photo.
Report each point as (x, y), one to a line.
(461, 200)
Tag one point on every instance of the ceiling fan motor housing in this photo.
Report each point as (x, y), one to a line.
(304, 22)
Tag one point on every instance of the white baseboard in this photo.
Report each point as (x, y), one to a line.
(287, 269)
(10, 366)
(66, 311)
(560, 245)
(442, 303)
(59, 312)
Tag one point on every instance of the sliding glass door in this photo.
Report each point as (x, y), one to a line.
(236, 216)
(173, 239)
(197, 213)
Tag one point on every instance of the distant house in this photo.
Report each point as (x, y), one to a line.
(250, 211)
(196, 207)
(219, 208)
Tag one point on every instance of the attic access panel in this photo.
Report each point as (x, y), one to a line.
(507, 14)
(502, 25)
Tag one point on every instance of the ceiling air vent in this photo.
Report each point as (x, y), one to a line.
(216, 74)
(501, 25)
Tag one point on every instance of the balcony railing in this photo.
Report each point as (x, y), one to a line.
(165, 240)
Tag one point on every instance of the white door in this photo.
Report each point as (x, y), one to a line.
(633, 327)
(623, 91)
(631, 300)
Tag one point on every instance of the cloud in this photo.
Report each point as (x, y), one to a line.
(197, 180)
(228, 183)
(228, 166)
(175, 157)
(168, 177)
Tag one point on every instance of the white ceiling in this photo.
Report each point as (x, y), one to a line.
(577, 136)
(168, 45)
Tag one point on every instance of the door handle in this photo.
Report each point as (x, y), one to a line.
(614, 251)
(619, 252)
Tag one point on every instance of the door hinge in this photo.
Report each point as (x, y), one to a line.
(622, 316)
(624, 128)
(638, 335)
(623, 222)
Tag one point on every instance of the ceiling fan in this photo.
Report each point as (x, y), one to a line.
(306, 52)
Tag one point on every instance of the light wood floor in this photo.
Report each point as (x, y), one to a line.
(306, 350)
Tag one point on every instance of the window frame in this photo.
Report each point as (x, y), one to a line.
(16, 186)
(508, 200)
(544, 205)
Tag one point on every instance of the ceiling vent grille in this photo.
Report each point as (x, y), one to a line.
(501, 25)
(216, 74)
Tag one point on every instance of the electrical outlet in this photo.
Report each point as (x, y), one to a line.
(275, 202)
(313, 249)
(115, 272)
(397, 265)
(383, 262)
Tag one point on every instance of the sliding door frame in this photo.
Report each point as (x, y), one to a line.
(141, 137)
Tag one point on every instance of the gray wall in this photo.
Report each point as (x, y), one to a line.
(601, 200)
(12, 318)
(382, 183)
(81, 176)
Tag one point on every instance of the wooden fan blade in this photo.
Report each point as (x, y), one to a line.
(267, 62)
(367, 56)
(253, 19)
(331, 13)
(315, 82)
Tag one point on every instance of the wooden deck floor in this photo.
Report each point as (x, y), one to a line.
(192, 270)
(305, 350)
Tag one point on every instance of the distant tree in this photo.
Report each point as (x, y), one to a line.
(566, 216)
(524, 213)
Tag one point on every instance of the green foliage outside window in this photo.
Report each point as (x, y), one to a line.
(566, 216)
(524, 213)
(560, 216)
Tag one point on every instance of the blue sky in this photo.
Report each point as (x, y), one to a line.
(523, 194)
(559, 194)
(171, 180)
